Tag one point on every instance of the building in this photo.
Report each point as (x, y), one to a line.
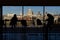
(56, 18)
(20, 16)
(8, 16)
(11, 15)
(29, 13)
(38, 15)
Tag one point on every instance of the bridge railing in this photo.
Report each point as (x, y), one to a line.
(29, 23)
(7, 23)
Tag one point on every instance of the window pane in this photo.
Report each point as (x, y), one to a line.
(32, 13)
(53, 24)
(54, 10)
(8, 13)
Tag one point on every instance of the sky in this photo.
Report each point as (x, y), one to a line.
(53, 9)
(35, 9)
(18, 9)
(11, 9)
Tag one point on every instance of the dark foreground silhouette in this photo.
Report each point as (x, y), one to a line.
(53, 27)
(39, 22)
(14, 21)
(24, 23)
(50, 21)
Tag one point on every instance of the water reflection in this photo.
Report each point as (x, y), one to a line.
(30, 36)
(19, 36)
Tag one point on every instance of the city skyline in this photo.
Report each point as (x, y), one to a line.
(18, 9)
